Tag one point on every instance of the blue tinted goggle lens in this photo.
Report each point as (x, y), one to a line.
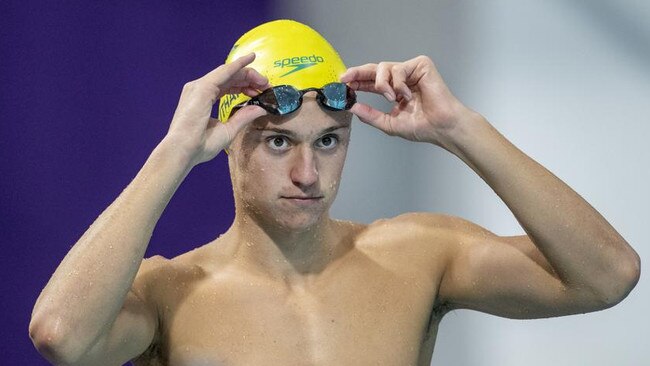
(287, 99)
(335, 95)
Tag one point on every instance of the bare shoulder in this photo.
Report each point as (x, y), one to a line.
(436, 220)
(158, 270)
(418, 241)
(420, 228)
(149, 268)
(157, 275)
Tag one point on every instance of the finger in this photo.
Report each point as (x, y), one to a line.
(235, 73)
(399, 75)
(246, 77)
(373, 117)
(383, 81)
(363, 72)
(263, 86)
(250, 75)
(226, 71)
(418, 68)
(365, 86)
(251, 92)
(247, 90)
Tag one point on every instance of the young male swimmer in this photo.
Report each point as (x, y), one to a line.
(287, 284)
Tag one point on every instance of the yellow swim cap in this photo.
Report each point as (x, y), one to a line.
(287, 53)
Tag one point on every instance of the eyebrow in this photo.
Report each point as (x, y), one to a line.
(293, 134)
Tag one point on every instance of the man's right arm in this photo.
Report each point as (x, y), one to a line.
(91, 312)
(91, 288)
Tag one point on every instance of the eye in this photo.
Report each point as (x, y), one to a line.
(277, 142)
(327, 142)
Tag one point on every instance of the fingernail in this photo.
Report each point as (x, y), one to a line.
(389, 96)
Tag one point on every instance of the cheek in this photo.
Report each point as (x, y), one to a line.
(331, 172)
(262, 176)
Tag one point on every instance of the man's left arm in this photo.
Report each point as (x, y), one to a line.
(592, 264)
(584, 250)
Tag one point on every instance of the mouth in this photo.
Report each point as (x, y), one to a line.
(303, 200)
(306, 198)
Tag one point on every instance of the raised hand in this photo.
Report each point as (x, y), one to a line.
(192, 128)
(425, 109)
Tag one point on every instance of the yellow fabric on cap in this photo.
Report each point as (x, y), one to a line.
(287, 53)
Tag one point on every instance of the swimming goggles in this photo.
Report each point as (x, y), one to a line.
(284, 99)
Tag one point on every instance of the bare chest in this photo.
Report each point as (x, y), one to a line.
(364, 311)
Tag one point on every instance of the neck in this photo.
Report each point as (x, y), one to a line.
(285, 254)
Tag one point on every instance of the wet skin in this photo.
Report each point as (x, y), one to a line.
(372, 304)
(286, 284)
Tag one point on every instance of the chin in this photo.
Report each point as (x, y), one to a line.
(286, 217)
(298, 221)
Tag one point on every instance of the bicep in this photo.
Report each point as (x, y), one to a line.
(131, 333)
(129, 336)
(508, 277)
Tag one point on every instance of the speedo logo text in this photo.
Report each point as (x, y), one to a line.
(297, 63)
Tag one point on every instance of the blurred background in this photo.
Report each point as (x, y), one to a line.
(87, 90)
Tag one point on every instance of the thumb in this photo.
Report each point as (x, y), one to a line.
(227, 131)
(372, 116)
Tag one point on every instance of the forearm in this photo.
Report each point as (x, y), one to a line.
(583, 248)
(88, 289)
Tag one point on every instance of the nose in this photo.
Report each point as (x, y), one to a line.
(304, 171)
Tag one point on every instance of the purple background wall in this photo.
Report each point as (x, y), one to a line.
(86, 92)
